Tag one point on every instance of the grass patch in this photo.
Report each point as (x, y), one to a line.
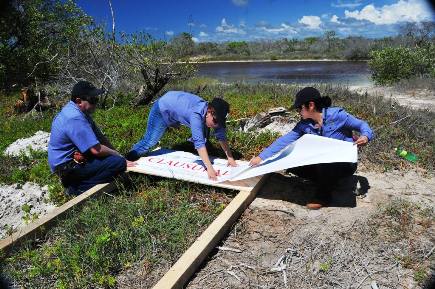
(97, 241)
(401, 219)
(408, 226)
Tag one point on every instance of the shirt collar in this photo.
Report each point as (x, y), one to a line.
(76, 107)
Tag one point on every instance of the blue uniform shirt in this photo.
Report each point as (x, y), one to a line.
(337, 124)
(71, 130)
(183, 108)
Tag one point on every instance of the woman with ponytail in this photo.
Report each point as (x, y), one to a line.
(317, 117)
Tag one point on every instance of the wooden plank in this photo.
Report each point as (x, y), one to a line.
(33, 228)
(186, 266)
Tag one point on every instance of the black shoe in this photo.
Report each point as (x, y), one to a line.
(132, 156)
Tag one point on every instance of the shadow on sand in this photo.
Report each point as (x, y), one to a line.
(296, 190)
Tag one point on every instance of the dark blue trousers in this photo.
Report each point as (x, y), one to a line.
(82, 177)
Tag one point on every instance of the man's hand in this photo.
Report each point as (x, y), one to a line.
(130, 164)
(212, 174)
(231, 162)
(79, 157)
(361, 141)
(255, 161)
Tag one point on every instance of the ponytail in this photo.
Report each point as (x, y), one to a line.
(320, 103)
(325, 101)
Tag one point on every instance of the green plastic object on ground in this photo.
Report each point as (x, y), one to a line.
(406, 155)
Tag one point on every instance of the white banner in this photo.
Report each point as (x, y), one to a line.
(308, 150)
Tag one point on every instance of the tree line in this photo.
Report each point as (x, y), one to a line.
(327, 46)
(54, 42)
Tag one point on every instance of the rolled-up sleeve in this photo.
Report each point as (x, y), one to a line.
(280, 143)
(220, 133)
(358, 125)
(197, 128)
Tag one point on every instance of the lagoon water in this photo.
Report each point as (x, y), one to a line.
(301, 72)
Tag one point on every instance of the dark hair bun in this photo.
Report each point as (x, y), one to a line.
(326, 101)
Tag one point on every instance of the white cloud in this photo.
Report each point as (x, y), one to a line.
(334, 19)
(345, 30)
(202, 26)
(240, 2)
(169, 33)
(411, 10)
(229, 28)
(341, 4)
(196, 40)
(283, 28)
(202, 34)
(313, 22)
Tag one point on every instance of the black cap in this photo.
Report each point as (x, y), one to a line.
(305, 95)
(222, 108)
(86, 91)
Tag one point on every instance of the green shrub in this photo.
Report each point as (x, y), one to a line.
(393, 64)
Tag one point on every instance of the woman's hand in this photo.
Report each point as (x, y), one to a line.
(231, 162)
(212, 174)
(361, 141)
(255, 161)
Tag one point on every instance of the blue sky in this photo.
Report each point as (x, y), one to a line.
(231, 20)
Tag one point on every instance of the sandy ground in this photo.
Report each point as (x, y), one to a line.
(13, 197)
(203, 59)
(37, 142)
(413, 98)
(280, 244)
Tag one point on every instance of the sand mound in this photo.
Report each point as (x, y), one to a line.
(37, 142)
(412, 98)
(13, 197)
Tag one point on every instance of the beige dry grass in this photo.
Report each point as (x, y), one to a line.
(386, 237)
